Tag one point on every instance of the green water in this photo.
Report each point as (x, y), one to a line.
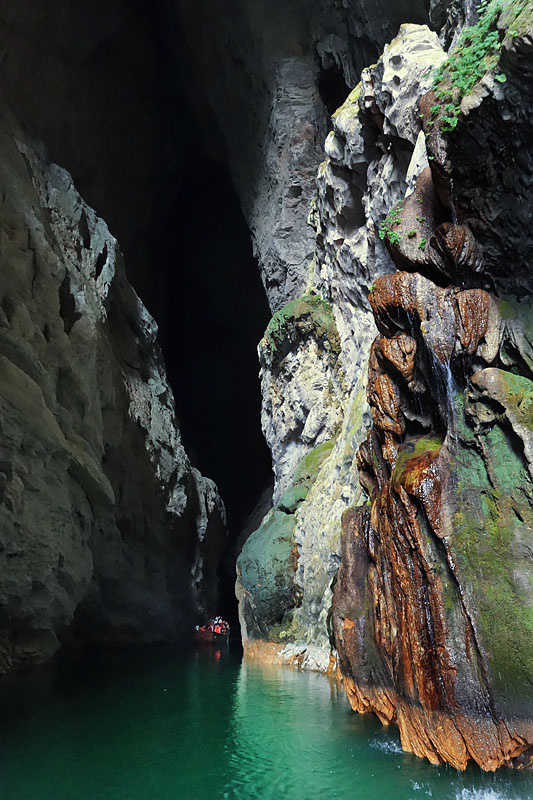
(156, 725)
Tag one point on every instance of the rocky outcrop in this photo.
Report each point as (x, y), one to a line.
(313, 358)
(273, 73)
(432, 603)
(107, 532)
(433, 607)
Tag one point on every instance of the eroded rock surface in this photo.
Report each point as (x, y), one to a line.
(272, 74)
(433, 606)
(107, 532)
(314, 379)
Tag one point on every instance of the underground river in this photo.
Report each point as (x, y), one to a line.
(161, 725)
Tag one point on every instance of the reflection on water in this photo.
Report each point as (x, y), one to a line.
(159, 725)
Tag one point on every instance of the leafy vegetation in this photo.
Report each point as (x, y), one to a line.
(476, 53)
(392, 219)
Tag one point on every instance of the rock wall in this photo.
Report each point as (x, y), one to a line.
(107, 533)
(272, 73)
(433, 607)
(314, 390)
(432, 603)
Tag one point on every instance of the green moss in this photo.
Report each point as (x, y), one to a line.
(351, 104)
(414, 449)
(268, 558)
(355, 421)
(476, 53)
(266, 564)
(308, 467)
(506, 309)
(293, 496)
(305, 315)
(517, 18)
(519, 397)
(491, 539)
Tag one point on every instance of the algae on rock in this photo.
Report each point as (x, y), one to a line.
(433, 603)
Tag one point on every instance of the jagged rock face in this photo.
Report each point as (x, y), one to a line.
(314, 378)
(301, 384)
(373, 154)
(484, 168)
(286, 567)
(290, 66)
(433, 607)
(107, 532)
(303, 392)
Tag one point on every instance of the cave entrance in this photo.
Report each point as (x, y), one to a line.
(107, 99)
(212, 313)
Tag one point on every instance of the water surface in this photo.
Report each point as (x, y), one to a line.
(159, 725)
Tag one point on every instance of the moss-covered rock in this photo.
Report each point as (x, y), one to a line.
(268, 561)
(491, 539)
(307, 315)
(308, 467)
(411, 451)
(266, 566)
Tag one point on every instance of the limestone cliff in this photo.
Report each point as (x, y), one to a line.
(272, 73)
(426, 171)
(433, 607)
(107, 534)
(314, 378)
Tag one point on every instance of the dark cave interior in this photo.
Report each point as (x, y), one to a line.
(114, 101)
(106, 99)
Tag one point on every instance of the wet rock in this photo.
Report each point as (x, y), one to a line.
(432, 608)
(480, 160)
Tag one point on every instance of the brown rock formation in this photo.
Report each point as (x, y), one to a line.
(433, 606)
(407, 622)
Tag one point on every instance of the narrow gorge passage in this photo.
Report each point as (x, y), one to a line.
(110, 100)
(266, 357)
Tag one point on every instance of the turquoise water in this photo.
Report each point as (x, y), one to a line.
(157, 725)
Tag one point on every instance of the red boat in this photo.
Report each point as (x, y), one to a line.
(216, 630)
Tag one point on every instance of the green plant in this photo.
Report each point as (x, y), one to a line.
(392, 219)
(422, 244)
(476, 53)
(411, 234)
